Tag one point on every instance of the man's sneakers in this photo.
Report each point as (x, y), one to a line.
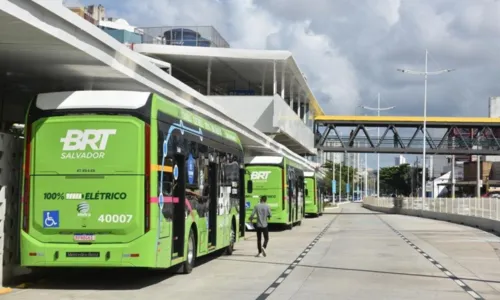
(263, 253)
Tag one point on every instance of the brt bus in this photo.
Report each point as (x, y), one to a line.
(127, 179)
(282, 181)
(314, 193)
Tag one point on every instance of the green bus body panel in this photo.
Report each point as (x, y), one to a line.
(119, 172)
(314, 198)
(311, 196)
(84, 201)
(181, 113)
(270, 186)
(122, 135)
(293, 209)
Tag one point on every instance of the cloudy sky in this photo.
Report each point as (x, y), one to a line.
(350, 49)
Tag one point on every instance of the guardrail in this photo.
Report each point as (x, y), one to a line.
(482, 213)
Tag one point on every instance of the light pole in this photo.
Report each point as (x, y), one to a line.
(426, 73)
(378, 109)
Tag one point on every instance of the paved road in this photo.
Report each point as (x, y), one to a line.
(350, 253)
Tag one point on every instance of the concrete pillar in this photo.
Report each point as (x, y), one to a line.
(10, 172)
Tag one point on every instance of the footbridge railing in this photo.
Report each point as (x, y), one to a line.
(483, 213)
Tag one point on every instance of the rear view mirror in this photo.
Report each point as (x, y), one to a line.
(249, 186)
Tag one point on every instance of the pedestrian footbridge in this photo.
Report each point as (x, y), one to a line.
(404, 134)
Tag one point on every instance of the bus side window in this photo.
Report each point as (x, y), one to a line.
(249, 186)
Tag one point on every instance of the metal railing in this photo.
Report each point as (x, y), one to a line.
(200, 36)
(488, 208)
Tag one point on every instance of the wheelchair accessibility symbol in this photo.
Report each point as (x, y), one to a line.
(51, 219)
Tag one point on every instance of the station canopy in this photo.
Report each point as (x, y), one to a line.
(233, 71)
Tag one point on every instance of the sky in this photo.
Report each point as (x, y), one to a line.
(350, 50)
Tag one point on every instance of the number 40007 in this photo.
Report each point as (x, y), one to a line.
(115, 218)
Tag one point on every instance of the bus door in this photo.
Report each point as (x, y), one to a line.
(179, 213)
(290, 200)
(296, 200)
(213, 176)
(242, 207)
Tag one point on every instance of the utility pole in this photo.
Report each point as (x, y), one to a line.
(340, 181)
(426, 73)
(378, 109)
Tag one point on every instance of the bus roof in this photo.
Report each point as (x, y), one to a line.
(115, 99)
(92, 99)
(264, 160)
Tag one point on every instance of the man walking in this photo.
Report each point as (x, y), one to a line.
(263, 214)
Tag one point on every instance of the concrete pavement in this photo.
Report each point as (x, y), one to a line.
(348, 253)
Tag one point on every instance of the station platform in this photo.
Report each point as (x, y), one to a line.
(348, 253)
(404, 134)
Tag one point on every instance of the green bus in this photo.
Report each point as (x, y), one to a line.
(127, 179)
(282, 181)
(315, 193)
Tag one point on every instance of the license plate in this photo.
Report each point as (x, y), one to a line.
(83, 254)
(84, 237)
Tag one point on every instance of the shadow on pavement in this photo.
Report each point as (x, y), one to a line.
(354, 213)
(363, 270)
(106, 279)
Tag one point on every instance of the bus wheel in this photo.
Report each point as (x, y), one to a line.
(188, 264)
(299, 222)
(232, 241)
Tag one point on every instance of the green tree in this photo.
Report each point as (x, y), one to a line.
(396, 180)
(353, 173)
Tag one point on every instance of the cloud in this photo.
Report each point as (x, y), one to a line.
(331, 76)
(350, 50)
(249, 24)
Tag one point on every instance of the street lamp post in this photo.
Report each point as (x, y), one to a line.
(378, 109)
(426, 73)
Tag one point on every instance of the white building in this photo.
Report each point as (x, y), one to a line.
(399, 160)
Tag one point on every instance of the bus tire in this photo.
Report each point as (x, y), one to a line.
(188, 264)
(289, 226)
(232, 240)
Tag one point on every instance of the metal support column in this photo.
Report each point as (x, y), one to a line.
(453, 178)
(366, 174)
(478, 179)
(209, 76)
(283, 74)
(298, 103)
(340, 180)
(263, 84)
(275, 84)
(306, 112)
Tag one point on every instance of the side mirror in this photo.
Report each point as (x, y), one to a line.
(307, 192)
(249, 186)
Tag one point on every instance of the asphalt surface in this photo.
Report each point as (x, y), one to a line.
(348, 253)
